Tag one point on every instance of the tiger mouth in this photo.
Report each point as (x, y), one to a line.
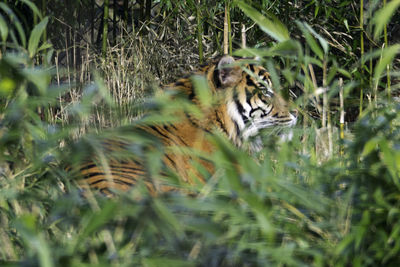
(256, 125)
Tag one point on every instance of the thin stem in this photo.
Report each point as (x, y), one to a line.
(389, 93)
(229, 27)
(243, 36)
(105, 28)
(200, 32)
(341, 120)
(362, 51)
(226, 49)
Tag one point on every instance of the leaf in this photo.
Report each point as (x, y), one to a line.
(202, 90)
(155, 262)
(3, 29)
(391, 159)
(273, 27)
(39, 77)
(98, 219)
(288, 47)
(44, 46)
(285, 48)
(36, 34)
(370, 146)
(387, 57)
(27, 226)
(321, 40)
(7, 86)
(383, 16)
(33, 7)
(310, 39)
(167, 217)
(15, 21)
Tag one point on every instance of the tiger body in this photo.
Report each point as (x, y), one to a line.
(245, 104)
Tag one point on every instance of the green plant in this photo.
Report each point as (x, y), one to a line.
(287, 205)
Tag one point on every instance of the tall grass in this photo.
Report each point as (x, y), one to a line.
(287, 205)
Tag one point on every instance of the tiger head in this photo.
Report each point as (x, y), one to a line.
(251, 103)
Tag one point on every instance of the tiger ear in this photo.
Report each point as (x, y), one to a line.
(228, 75)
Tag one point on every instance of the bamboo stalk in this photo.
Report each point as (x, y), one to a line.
(114, 22)
(92, 20)
(362, 51)
(44, 38)
(148, 9)
(243, 36)
(200, 32)
(341, 120)
(226, 31)
(228, 18)
(389, 93)
(105, 28)
(126, 13)
(326, 108)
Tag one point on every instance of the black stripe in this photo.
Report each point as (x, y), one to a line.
(116, 181)
(192, 95)
(216, 80)
(288, 120)
(252, 67)
(154, 128)
(180, 138)
(127, 168)
(237, 129)
(170, 160)
(269, 111)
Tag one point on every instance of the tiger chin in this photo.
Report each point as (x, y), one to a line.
(245, 105)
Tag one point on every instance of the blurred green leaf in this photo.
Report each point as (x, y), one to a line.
(310, 39)
(14, 21)
(284, 49)
(391, 158)
(33, 7)
(387, 56)
(370, 146)
(383, 16)
(27, 228)
(7, 87)
(39, 77)
(202, 90)
(322, 41)
(97, 220)
(35, 37)
(167, 217)
(272, 26)
(3, 29)
(167, 262)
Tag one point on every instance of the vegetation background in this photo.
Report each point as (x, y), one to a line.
(82, 70)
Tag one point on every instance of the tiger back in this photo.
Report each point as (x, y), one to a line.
(244, 104)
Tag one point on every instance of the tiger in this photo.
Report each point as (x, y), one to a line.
(245, 103)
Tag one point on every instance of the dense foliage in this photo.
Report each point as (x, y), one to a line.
(329, 197)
